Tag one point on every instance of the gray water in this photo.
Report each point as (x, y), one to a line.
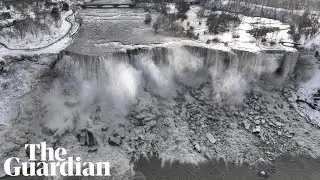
(284, 168)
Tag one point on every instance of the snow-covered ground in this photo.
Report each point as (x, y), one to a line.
(14, 16)
(313, 43)
(53, 44)
(244, 40)
(228, 2)
(38, 39)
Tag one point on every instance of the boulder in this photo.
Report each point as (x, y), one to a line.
(2, 62)
(275, 96)
(202, 97)
(197, 147)
(256, 130)
(3, 65)
(257, 108)
(115, 141)
(263, 174)
(211, 138)
(294, 96)
(87, 138)
(279, 124)
(246, 125)
(119, 132)
(140, 116)
(105, 128)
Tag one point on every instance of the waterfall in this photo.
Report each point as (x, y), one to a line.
(114, 81)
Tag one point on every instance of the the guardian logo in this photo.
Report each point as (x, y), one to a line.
(54, 162)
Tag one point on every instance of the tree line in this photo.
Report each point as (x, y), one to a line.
(38, 16)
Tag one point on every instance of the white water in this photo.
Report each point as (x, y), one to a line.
(114, 82)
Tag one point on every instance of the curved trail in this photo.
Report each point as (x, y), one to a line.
(72, 24)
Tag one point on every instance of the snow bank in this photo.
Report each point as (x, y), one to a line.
(244, 41)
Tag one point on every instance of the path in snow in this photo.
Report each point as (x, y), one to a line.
(53, 47)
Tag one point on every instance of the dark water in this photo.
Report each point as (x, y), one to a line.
(284, 168)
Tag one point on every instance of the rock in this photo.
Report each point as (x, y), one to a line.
(290, 99)
(241, 114)
(233, 125)
(208, 155)
(246, 125)
(256, 130)
(193, 127)
(5, 69)
(279, 133)
(291, 86)
(269, 153)
(152, 124)
(272, 125)
(262, 160)
(2, 61)
(290, 135)
(211, 118)
(197, 147)
(105, 128)
(115, 141)
(202, 97)
(87, 138)
(275, 96)
(140, 116)
(263, 174)
(2, 65)
(2, 127)
(156, 112)
(294, 96)
(149, 117)
(5, 85)
(257, 122)
(71, 103)
(92, 150)
(211, 138)
(285, 90)
(257, 108)
(263, 121)
(279, 124)
(119, 132)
